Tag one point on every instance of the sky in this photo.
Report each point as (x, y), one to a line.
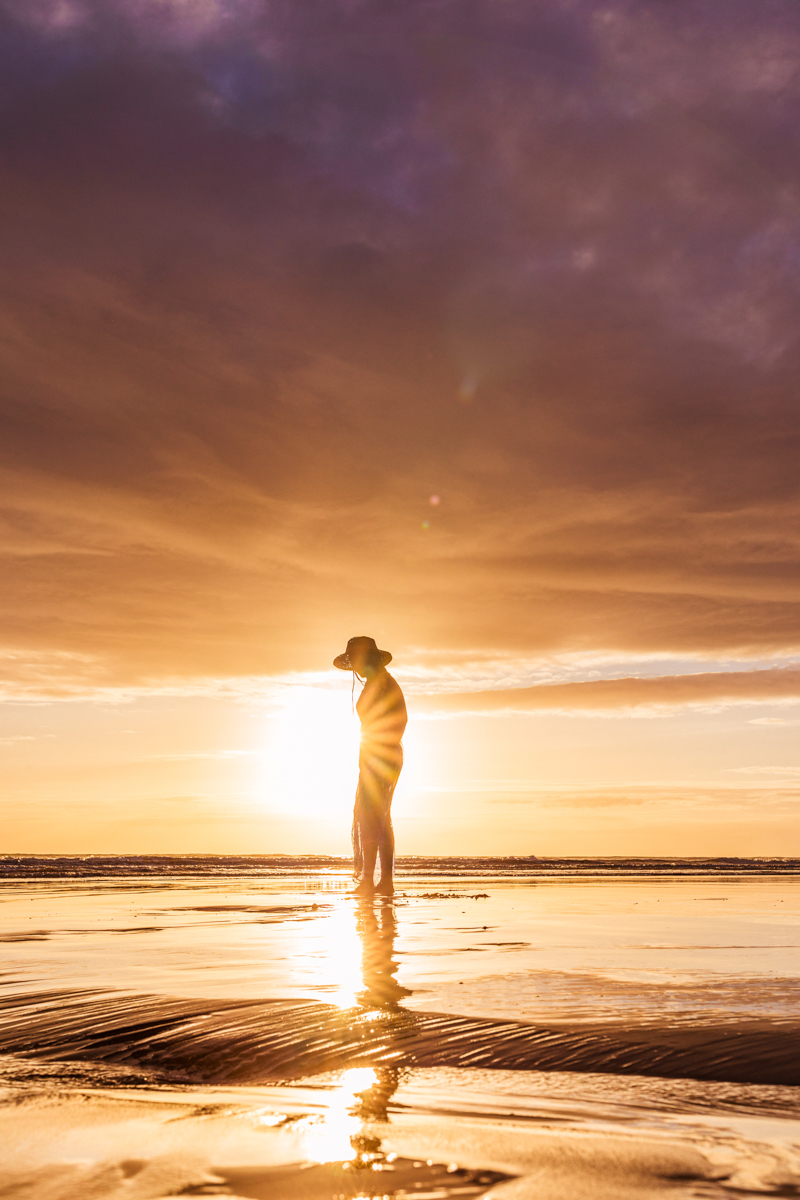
(470, 326)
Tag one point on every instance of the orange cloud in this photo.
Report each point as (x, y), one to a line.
(658, 692)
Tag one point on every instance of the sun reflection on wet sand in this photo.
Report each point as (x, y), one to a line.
(353, 959)
(346, 1132)
(361, 965)
(340, 1134)
(342, 959)
(331, 1138)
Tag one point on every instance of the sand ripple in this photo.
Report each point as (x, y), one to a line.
(256, 1041)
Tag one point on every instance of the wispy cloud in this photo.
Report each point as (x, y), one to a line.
(773, 721)
(787, 772)
(688, 797)
(212, 754)
(595, 684)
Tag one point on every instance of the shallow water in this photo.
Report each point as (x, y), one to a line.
(631, 1024)
(636, 948)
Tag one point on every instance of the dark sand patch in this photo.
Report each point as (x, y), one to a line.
(27, 935)
(279, 910)
(450, 896)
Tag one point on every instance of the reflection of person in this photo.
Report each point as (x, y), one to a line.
(382, 712)
(374, 1106)
(378, 964)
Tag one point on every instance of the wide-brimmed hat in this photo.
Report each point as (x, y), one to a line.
(342, 661)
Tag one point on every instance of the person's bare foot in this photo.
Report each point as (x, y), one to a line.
(385, 888)
(367, 888)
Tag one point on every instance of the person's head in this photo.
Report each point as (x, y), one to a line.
(362, 656)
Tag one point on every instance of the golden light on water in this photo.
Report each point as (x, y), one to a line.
(351, 960)
(329, 1139)
(341, 958)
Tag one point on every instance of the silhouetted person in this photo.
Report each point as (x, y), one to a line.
(382, 712)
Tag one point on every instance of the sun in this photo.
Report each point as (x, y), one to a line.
(311, 760)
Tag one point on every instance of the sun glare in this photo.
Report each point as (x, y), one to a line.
(330, 1139)
(312, 760)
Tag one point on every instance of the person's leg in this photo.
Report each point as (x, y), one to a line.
(366, 887)
(386, 882)
(365, 841)
(386, 848)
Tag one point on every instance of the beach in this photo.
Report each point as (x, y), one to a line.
(515, 1027)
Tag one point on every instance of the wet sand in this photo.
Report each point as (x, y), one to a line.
(517, 1030)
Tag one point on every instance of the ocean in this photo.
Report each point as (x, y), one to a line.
(513, 1027)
